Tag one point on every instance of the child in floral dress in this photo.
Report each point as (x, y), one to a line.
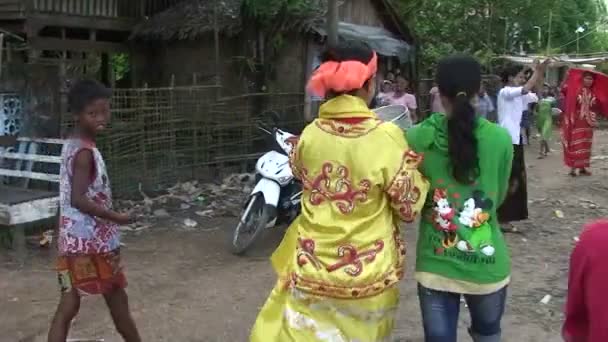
(89, 255)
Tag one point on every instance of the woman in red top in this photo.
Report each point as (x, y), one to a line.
(584, 95)
(587, 309)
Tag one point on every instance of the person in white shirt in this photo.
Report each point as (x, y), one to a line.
(513, 99)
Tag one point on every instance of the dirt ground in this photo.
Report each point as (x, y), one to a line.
(186, 286)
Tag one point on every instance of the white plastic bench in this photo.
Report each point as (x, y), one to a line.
(20, 203)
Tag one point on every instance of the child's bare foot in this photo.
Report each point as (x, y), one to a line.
(69, 304)
(584, 172)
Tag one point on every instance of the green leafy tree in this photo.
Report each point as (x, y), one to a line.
(120, 65)
(267, 22)
(486, 28)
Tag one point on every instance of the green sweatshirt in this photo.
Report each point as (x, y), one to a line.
(460, 237)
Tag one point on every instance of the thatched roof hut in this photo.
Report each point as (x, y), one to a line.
(191, 19)
(177, 46)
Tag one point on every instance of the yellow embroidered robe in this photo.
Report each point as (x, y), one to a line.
(340, 260)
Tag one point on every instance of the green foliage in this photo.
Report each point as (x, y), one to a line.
(267, 21)
(120, 65)
(486, 28)
(270, 14)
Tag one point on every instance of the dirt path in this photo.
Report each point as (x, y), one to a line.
(185, 286)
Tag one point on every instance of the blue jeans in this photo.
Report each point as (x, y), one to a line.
(440, 312)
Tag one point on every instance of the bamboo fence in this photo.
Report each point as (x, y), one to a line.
(160, 136)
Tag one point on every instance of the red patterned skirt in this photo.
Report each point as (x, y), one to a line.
(91, 274)
(577, 145)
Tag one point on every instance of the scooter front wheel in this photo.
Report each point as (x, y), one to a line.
(252, 223)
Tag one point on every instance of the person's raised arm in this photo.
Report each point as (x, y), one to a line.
(537, 77)
(83, 172)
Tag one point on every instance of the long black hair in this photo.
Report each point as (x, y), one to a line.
(459, 79)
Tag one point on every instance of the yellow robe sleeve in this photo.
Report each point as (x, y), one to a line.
(282, 256)
(405, 186)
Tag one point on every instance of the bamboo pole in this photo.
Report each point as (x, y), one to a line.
(216, 38)
(550, 33)
(1, 52)
(332, 22)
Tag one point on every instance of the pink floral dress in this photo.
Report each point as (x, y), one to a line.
(80, 233)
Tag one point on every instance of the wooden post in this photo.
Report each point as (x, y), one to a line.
(20, 243)
(550, 33)
(506, 47)
(196, 122)
(111, 74)
(105, 70)
(332, 22)
(63, 91)
(173, 114)
(91, 55)
(309, 60)
(216, 38)
(142, 103)
(1, 52)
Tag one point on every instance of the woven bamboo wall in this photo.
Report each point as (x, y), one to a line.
(159, 136)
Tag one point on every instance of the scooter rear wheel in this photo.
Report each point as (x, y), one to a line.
(252, 223)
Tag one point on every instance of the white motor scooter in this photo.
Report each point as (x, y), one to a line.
(276, 197)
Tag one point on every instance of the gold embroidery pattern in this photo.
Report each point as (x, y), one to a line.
(347, 130)
(402, 191)
(293, 157)
(351, 259)
(387, 280)
(306, 253)
(336, 187)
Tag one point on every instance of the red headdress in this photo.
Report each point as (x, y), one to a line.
(341, 76)
(574, 84)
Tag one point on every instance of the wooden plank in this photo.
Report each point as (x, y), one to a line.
(30, 175)
(12, 15)
(31, 157)
(5, 214)
(82, 21)
(42, 140)
(10, 7)
(59, 44)
(29, 211)
(29, 165)
(22, 148)
(11, 195)
(8, 140)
